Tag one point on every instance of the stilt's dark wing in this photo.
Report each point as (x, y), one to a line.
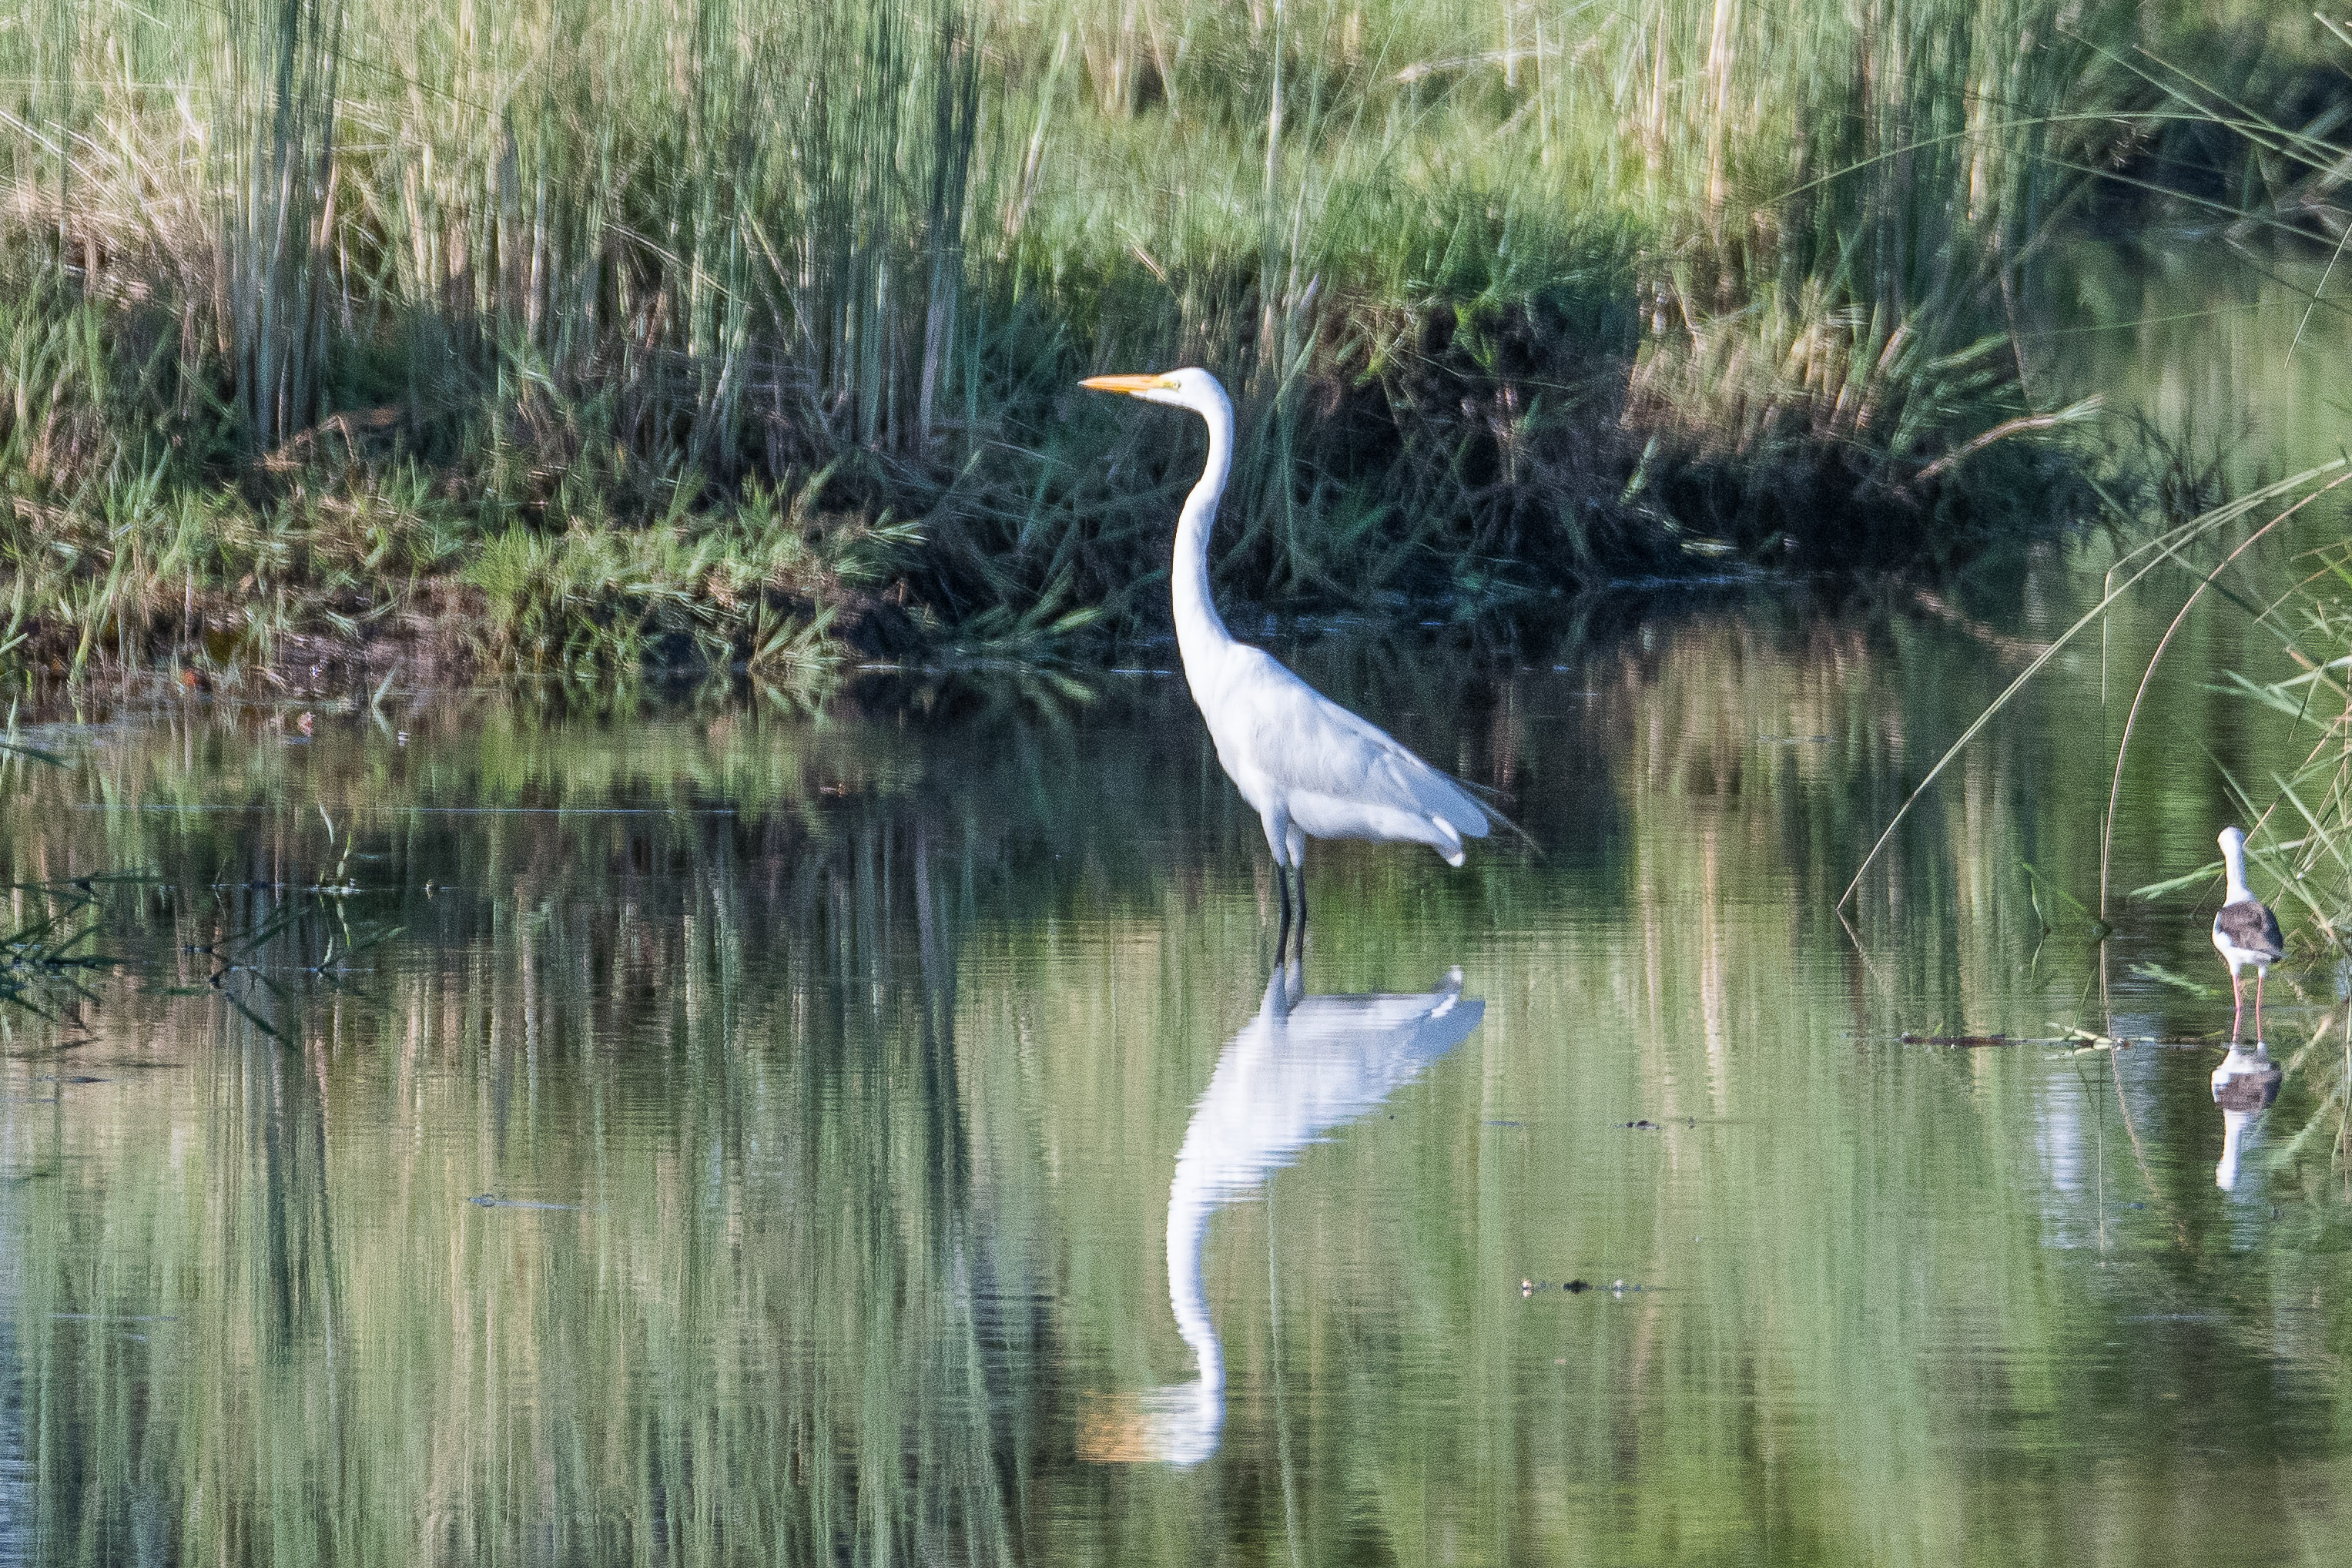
(2247, 1091)
(2249, 926)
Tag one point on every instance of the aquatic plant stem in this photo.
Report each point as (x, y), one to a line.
(2167, 547)
(2131, 718)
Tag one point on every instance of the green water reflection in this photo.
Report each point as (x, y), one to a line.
(2234, 353)
(740, 1136)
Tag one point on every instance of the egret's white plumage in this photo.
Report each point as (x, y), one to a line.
(1309, 768)
(1303, 1067)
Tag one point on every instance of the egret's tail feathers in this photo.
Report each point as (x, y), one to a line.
(1487, 807)
(1482, 797)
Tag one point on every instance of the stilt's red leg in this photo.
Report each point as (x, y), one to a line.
(2258, 1003)
(2237, 1003)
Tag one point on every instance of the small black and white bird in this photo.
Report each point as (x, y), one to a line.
(2245, 931)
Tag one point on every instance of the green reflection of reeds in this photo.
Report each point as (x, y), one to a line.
(743, 1328)
(851, 1070)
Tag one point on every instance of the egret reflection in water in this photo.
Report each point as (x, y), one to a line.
(1303, 1067)
(2243, 1087)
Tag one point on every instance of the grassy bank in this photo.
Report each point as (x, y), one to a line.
(568, 336)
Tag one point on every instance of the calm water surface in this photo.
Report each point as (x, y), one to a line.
(726, 1134)
(729, 1135)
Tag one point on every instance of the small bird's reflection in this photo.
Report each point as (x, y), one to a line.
(1303, 1067)
(2243, 1087)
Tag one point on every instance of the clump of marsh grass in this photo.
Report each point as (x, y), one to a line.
(2236, 122)
(2308, 807)
(758, 583)
(2310, 620)
(769, 581)
(2303, 822)
(422, 303)
(1509, 301)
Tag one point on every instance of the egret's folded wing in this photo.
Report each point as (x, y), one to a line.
(1311, 743)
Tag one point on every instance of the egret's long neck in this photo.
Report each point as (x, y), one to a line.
(1200, 630)
(2233, 854)
(1188, 1209)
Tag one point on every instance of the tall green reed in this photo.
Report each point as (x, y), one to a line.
(681, 194)
(278, 165)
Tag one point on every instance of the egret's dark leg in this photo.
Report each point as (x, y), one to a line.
(1281, 937)
(1297, 841)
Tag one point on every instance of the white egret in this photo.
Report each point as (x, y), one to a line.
(2245, 931)
(1310, 768)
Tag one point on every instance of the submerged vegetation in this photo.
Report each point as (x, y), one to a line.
(569, 335)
